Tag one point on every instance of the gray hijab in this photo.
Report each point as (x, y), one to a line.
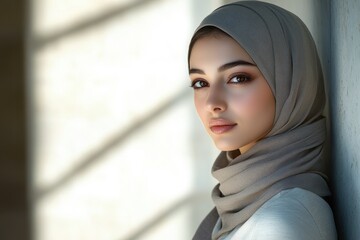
(289, 156)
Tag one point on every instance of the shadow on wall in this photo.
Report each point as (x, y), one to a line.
(194, 201)
(97, 154)
(14, 210)
(76, 28)
(96, 74)
(345, 115)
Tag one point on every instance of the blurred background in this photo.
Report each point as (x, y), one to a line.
(100, 139)
(114, 134)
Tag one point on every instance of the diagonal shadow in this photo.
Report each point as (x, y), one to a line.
(192, 199)
(96, 155)
(41, 42)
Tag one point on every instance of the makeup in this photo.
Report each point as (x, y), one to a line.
(220, 125)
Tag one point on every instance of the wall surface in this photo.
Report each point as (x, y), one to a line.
(345, 112)
(13, 158)
(117, 150)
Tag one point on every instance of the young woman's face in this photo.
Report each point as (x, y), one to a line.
(232, 97)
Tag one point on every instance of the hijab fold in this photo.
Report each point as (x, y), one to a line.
(289, 156)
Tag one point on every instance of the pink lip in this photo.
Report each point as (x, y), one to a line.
(220, 125)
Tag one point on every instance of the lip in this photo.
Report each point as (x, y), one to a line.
(220, 125)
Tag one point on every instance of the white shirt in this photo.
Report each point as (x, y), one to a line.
(294, 214)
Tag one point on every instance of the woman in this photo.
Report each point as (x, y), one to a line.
(258, 89)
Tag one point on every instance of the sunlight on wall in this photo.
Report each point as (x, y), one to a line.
(118, 153)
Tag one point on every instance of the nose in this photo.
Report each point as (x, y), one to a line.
(216, 102)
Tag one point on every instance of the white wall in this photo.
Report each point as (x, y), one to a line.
(118, 151)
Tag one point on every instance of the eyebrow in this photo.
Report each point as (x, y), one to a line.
(223, 67)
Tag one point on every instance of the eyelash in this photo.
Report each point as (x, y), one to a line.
(242, 76)
(197, 81)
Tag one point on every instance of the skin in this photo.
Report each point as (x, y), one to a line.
(235, 93)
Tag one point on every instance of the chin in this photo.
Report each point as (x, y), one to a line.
(225, 146)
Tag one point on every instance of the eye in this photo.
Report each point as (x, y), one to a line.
(238, 79)
(196, 84)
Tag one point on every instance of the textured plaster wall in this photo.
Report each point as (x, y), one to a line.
(345, 112)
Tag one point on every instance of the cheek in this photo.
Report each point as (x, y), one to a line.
(255, 106)
(200, 107)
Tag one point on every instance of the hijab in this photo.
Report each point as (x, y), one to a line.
(289, 156)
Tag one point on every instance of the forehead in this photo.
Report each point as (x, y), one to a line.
(217, 49)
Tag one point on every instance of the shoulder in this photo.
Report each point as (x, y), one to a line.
(291, 214)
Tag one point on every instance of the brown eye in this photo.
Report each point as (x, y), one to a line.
(239, 79)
